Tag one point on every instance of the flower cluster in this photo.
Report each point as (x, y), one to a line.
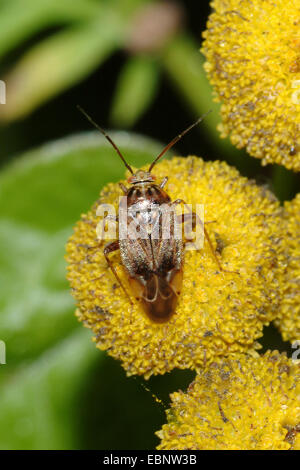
(252, 50)
(238, 400)
(218, 313)
(289, 313)
(239, 404)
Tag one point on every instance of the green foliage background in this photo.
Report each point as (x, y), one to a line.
(57, 390)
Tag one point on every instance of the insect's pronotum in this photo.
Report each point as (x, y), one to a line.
(154, 265)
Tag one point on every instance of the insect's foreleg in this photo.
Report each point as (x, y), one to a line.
(123, 187)
(109, 248)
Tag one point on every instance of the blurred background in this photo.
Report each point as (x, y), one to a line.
(135, 66)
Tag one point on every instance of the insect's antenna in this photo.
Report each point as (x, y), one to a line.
(177, 138)
(106, 136)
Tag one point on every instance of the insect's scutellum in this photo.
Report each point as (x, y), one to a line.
(154, 265)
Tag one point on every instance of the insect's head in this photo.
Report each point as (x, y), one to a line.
(141, 176)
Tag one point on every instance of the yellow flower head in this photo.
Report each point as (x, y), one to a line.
(217, 312)
(289, 318)
(243, 403)
(252, 49)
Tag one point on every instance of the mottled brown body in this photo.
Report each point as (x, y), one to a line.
(154, 265)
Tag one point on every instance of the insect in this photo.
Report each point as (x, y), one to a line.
(154, 264)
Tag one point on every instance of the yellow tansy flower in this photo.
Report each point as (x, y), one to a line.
(245, 403)
(289, 321)
(217, 313)
(252, 49)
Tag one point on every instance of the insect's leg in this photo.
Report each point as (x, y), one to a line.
(212, 249)
(198, 220)
(123, 187)
(181, 201)
(215, 255)
(181, 218)
(109, 248)
(164, 182)
(178, 201)
(193, 214)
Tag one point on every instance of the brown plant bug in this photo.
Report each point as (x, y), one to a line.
(154, 265)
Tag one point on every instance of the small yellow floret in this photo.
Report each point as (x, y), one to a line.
(218, 313)
(252, 48)
(244, 403)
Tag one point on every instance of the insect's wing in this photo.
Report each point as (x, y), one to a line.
(158, 296)
(168, 255)
(151, 290)
(154, 265)
(167, 248)
(136, 256)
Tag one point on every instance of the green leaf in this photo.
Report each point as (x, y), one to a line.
(38, 402)
(42, 194)
(57, 63)
(19, 21)
(64, 58)
(136, 89)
